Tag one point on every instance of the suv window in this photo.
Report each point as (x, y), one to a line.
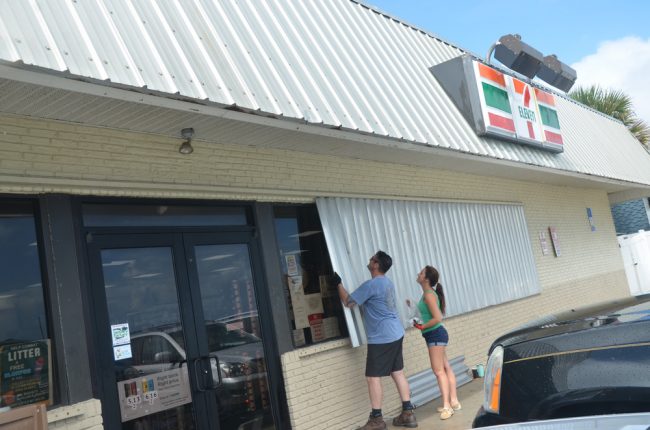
(152, 350)
(219, 337)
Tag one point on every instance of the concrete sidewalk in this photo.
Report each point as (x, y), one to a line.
(471, 398)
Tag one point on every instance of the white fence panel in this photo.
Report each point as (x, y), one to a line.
(635, 249)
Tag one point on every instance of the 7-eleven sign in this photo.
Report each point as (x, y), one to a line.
(512, 109)
(526, 116)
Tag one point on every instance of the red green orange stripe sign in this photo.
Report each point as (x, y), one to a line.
(496, 99)
(516, 110)
(550, 119)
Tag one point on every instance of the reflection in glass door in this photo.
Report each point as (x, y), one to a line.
(233, 334)
(185, 349)
(151, 370)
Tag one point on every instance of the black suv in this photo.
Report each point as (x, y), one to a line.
(587, 361)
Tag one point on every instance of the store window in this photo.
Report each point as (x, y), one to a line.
(25, 353)
(315, 309)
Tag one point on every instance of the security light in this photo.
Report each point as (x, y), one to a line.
(186, 146)
(556, 73)
(517, 55)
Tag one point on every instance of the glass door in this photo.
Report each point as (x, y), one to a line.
(152, 374)
(182, 342)
(221, 270)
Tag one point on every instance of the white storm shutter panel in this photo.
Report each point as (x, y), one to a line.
(482, 250)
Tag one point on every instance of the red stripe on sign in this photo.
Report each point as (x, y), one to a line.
(531, 131)
(501, 122)
(527, 97)
(544, 97)
(491, 74)
(553, 137)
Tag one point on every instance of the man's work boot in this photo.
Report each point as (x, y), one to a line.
(406, 419)
(376, 423)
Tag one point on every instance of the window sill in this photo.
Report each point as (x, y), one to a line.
(64, 413)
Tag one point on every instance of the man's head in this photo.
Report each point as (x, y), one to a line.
(379, 263)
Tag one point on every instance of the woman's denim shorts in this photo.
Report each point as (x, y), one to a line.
(437, 337)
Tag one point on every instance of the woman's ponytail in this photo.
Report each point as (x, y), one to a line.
(432, 275)
(441, 296)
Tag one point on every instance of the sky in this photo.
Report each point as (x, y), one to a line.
(606, 42)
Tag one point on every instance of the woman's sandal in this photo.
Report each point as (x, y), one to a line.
(456, 407)
(446, 413)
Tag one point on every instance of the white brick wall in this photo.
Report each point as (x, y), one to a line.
(80, 416)
(48, 156)
(341, 394)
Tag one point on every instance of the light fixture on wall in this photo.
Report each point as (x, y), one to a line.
(556, 73)
(186, 146)
(517, 55)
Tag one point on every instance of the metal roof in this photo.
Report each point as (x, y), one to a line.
(335, 63)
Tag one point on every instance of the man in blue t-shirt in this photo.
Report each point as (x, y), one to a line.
(385, 335)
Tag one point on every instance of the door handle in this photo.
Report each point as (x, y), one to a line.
(202, 373)
(217, 367)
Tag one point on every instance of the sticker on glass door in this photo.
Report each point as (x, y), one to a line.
(153, 393)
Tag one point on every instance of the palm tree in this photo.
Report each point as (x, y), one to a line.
(614, 103)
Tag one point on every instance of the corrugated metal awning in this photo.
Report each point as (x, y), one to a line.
(335, 63)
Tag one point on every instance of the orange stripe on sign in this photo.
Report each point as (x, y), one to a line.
(501, 122)
(491, 74)
(545, 97)
(519, 86)
(553, 137)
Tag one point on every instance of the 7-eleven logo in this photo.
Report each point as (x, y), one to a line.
(525, 116)
(513, 109)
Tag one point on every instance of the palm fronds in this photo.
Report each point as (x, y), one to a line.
(614, 103)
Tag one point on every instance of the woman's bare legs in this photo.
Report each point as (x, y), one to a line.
(453, 395)
(438, 360)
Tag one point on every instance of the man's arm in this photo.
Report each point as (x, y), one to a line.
(343, 294)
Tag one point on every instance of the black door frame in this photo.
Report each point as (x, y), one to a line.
(200, 399)
(265, 309)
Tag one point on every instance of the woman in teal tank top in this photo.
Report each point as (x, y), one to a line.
(432, 309)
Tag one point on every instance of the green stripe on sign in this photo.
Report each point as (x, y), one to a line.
(496, 97)
(549, 117)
